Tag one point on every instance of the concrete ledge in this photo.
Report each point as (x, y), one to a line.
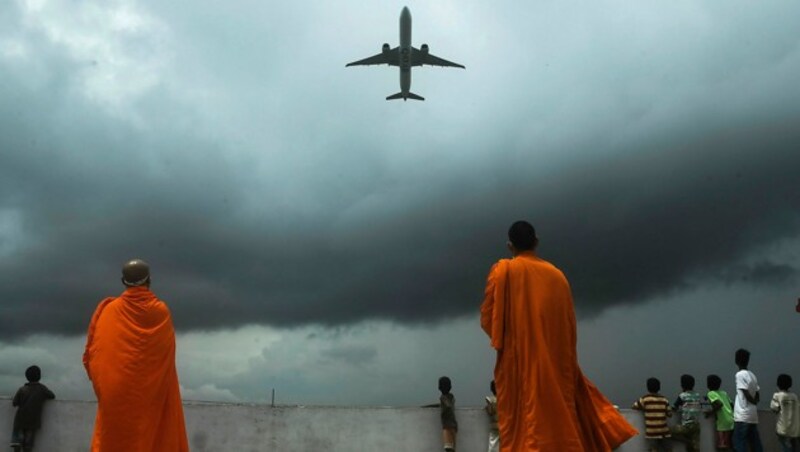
(67, 427)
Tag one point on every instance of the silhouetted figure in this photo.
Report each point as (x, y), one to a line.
(29, 401)
(447, 404)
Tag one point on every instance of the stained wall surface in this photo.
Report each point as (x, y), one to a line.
(67, 427)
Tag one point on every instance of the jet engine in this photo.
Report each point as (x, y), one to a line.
(424, 48)
(386, 48)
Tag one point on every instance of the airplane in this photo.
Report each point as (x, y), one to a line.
(405, 56)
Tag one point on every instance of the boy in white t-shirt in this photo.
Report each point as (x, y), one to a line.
(745, 414)
(786, 405)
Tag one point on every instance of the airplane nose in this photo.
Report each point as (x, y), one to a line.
(405, 11)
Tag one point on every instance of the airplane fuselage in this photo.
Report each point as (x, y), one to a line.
(405, 52)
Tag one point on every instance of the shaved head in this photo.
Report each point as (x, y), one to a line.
(135, 272)
(523, 236)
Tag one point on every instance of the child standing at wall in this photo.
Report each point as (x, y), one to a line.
(656, 411)
(29, 401)
(689, 403)
(745, 412)
(491, 410)
(786, 405)
(447, 403)
(722, 408)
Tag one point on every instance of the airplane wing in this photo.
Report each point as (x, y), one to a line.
(419, 58)
(392, 57)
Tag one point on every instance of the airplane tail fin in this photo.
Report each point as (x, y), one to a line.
(408, 95)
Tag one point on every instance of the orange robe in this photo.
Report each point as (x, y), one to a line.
(544, 402)
(130, 358)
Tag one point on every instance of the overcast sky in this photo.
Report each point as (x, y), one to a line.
(310, 236)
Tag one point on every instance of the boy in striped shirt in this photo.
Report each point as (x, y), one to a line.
(656, 410)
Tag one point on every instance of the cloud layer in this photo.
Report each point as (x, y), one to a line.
(267, 184)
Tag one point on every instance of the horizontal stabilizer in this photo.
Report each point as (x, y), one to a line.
(406, 96)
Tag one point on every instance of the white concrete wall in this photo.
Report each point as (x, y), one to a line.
(67, 427)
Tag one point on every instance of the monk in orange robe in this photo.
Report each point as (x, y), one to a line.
(130, 359)
(544, 402)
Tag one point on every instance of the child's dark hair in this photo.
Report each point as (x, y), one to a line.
(33, 374)
(653, 385)
(784, 382)
(493, 388)
(713, 382)
(687, 382)
(445, 385)
(742, 357)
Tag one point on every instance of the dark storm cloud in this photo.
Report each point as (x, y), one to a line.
(623, 229)
(353, 355)
(767, 273)
(646, 222)
(325, 227)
